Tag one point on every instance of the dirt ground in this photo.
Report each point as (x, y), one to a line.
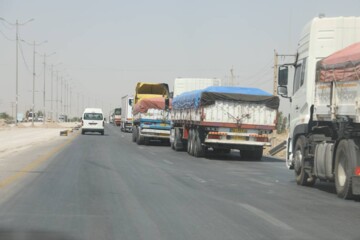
(275, 140)
(16, 138)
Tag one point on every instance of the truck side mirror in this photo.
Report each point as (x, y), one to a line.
(282, 91)
(167, 103)
(283, 75)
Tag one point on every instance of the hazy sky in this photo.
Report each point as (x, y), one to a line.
(107, 46)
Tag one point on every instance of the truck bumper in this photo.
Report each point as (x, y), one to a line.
(154, 133)
(355, 185)
(236, 142)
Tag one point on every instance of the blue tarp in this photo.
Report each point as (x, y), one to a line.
(207, 96)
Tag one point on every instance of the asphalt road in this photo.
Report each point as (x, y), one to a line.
(106, 187)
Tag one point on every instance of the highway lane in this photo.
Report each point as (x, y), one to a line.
(106, 187)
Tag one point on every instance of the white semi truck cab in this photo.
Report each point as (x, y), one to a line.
(324, 139)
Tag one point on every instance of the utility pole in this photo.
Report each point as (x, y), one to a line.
(44, 89)
(275, 73)
(232, 76)
(57, 96)
(33, 92)
(17, 24)
(17, 72)
(61, 95)
(276, 65)
(34, 44)
(12, 111)
(51, 93)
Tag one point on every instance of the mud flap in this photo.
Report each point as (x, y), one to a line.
(355, 185)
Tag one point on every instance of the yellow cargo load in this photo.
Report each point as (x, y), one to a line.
(151, 90)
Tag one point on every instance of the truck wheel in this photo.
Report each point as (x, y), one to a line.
(344, 162)
(134, 134)
(301, 176)
(245, 155)
(190, 146)
(257, 154)
(178, 143)
(139, 138)
(198, 148)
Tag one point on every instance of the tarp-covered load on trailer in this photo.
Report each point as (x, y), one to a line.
(343, 65)
(150, 103)
(208, 96)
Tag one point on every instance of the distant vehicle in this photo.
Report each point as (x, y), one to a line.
(20, 117)
(30, 116)
(117, 116)
(62, 118)
(40, 119)
(111, 118)
(151, 113)
(323, 141)
(223, 118)
(126, 113)
(93, 121)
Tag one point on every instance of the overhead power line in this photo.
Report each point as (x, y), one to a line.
(23, 57)
(6, 37)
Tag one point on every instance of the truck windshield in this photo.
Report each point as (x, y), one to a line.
(93, 116)
(118, 111)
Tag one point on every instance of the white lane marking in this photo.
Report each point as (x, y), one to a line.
(141, 147)
(261, 182)
(265, 216)
(122, 135)
(200, 180)
(167, 161)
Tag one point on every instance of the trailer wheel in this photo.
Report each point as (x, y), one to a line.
(245, 154)
(190, 145)
(301, 176)
(199, 150)
(139, 138)
(146, 141)
(344, 161)
(178, 141)
(257, 154)
(134, 134)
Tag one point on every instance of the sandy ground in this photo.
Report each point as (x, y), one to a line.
(275, 140)
(17, 138)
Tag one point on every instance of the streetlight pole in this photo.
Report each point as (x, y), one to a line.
(34, 75)
(44, 90)
(17, 24)
(57, 96)
(52, 89)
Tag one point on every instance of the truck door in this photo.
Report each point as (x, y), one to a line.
(299, 104)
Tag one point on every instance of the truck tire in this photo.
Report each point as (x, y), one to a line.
(257, 154)
(177, 141)
(245, 155)
(199, 150)
(82, 132)
(301, 176)
(190, 145)
(222, 150)
(139, 138)
(134, 134)
(345, 157)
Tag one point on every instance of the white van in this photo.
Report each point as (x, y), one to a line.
(92, 121)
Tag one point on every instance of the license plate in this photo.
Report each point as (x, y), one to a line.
(163, 124)
(238, 130)
(238, 138)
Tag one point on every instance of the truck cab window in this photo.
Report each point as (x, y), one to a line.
(299, 75)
